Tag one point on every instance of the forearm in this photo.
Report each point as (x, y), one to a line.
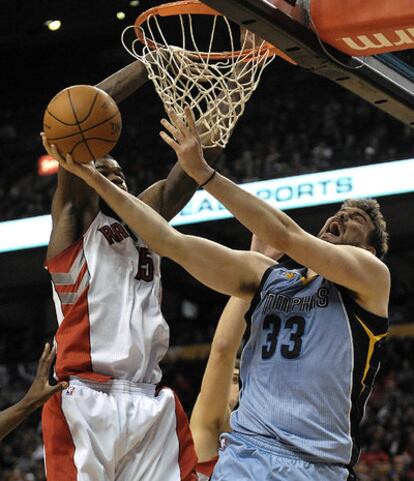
(10, 418)
(178, 187)
(213, 399)
(271, 225)
(125, 82)
(170, 196)
(230, 330)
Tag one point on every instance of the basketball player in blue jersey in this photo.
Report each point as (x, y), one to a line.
(219, 393)
(315, 323)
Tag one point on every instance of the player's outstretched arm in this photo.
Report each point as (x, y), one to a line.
(236, 273)
(74, 206)
(211, 412)
(39, 392)
(349, 266)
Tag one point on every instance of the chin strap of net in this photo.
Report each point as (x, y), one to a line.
(216, 86)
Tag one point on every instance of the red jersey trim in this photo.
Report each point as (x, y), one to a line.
(187, 458)
(207, 467)
(59, 445)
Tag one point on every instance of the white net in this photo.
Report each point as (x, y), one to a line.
(215, 85)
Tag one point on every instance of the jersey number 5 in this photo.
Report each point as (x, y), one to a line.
(145, 265)
(273, 323)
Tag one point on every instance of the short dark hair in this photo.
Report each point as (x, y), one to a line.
(379, 237)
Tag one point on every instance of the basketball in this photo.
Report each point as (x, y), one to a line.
(83, 121)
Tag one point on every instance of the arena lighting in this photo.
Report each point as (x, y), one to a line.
(53, 24)
(47, 165)
(377, 180)
(120, 15)
(134, 3)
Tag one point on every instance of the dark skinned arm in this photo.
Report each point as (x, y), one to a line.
(39, 392)
(125, 82)
(169, 196)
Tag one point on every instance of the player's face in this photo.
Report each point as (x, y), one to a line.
(110, 169)
(234, 389)
(350, 226)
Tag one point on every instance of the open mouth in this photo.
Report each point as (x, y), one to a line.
(118, 181)
(334, 229)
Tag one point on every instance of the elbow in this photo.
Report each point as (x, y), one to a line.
(171, 245)
(223, 349)
(279, 239)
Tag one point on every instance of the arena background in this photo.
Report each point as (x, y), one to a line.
(295, 123)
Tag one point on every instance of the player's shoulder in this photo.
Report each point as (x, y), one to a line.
(375, 321)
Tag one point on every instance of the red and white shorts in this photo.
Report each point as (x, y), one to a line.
(117, 431)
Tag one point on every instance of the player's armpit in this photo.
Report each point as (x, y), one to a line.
(352, 267)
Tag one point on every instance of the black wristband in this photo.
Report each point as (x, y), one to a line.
(208, 180)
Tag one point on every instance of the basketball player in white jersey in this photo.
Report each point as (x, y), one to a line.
(111, 424)
(315, 326)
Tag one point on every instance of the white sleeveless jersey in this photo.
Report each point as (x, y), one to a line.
(107, 293)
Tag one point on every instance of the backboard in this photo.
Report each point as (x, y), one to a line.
(384, 80)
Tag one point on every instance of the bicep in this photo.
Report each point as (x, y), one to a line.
(351, 267)
(231, 272)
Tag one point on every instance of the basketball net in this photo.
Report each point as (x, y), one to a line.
(215, 85)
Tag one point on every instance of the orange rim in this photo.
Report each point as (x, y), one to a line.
(194, 7)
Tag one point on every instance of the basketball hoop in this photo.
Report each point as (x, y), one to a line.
(214, 82)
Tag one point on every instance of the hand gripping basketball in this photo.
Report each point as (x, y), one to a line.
(83, 170)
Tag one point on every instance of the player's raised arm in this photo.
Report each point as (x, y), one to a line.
(236, 273)
(352, 265)
(74, 206)
(74, 203)
(39, 392)
(211, 412)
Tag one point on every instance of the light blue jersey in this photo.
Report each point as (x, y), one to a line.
(308, 367)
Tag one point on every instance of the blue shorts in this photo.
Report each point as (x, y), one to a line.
(245, 459)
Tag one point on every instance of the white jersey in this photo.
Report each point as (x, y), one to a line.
(107, 291)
